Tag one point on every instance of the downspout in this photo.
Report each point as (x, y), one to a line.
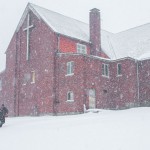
(15, 84)
(54, 76)
(57, 67)
(58, 45)
(58, 50)
(137, 75)
(85, 89)
(19, 61)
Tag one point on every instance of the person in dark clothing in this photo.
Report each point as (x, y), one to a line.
(1, 117)
(4, 113)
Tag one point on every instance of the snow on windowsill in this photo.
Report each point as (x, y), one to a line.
(70, 101)
(69, 74)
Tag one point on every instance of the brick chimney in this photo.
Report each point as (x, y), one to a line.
(95, 29)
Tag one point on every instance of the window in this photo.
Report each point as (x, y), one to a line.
(105, 70)
(26, 78)
(0, 85)
(70, 68)
(118, 69)
(33, 77)
(70, 96)
(104, 91)
(81, 48)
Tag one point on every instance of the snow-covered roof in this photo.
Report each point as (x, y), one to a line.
(134, 43)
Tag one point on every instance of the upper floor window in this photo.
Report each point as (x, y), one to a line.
(0, 85)
(105, 70)
(70, 96)
(119, 69)
(81, 48)
(70, 68)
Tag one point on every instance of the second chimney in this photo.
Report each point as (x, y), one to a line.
(95, 28)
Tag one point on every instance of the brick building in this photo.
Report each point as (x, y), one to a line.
(58, 65)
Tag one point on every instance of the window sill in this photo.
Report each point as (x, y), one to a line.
(69, 74)
(32, 82)
(119, 75)
(70, 101)
(105, 76)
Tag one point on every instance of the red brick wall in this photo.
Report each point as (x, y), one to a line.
(43, 44)
(102, 54)
(116, 86)
(49, 92)
(144, 81)
(121, 90)
(67, 45)
(40, 95)
(8, 81)
(70, 83)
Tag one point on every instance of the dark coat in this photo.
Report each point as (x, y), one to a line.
(5, 111)
(1, 118)
(1, 114)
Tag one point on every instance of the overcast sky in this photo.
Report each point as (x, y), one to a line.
(116, 15)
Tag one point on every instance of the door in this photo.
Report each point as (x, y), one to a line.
(92, 100)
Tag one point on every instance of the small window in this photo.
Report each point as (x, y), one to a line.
(81, 48)
(105, 70)
(26, 78)
(33, 77)
(0, 85)
(70, 68)
(118, 69)
(104, 91)
(70, 96)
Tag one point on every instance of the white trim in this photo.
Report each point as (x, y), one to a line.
(69, 74)
(97, 57)
(29, 7)
(27, 29)
(81, 48)
(118, 75)
(70, 100)
(70, 67)
(104, 75)
(32, 77)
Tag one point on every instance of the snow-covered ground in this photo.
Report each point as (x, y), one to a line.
(106, 130)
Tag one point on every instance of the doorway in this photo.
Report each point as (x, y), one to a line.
(92, 99)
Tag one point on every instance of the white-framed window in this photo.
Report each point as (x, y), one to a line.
(81, 48)
(70, 68)
(119, 70)
(32, 76)
(0, 85)
(70, 96)
(105, 70)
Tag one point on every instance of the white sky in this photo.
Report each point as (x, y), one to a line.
(116, 15)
